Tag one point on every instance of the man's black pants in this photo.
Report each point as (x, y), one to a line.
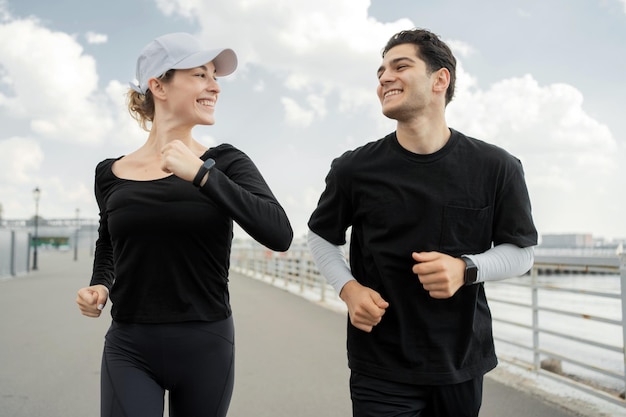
(373, 397)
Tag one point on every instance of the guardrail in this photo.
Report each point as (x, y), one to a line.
(567, 324)
(14, 253)
(542, 325)
(16, 241)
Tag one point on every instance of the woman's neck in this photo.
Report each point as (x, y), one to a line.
(160, 136)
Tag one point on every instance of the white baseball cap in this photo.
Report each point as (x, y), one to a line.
(179, 51)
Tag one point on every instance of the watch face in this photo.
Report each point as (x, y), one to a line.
(209, 163)
(471, 271)
(471, 274)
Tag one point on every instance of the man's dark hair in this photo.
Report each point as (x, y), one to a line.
(430, 49)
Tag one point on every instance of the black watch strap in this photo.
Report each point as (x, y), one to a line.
(204, 169)
(471, 271)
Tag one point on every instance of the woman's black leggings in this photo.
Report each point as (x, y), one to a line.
(194, 361)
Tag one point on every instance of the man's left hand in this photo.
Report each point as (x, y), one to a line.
(440, 274)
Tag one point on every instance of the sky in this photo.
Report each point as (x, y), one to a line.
(541, 78)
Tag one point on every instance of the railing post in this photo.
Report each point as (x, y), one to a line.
(535, 318)
(622, 273)
(29, 250)
(283, 269)
(12, 269)
(298, 270)
(322, 284)
(259, 268)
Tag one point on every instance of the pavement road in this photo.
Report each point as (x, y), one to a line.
(290, 352)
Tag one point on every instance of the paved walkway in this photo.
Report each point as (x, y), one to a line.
(291, 358)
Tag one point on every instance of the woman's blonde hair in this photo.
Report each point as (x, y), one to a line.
(141, 106)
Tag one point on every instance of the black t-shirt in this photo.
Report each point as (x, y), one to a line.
(459, 200)
(164, 245)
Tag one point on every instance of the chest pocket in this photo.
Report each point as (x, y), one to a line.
(465, 230)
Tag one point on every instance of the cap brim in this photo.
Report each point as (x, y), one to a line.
(225, 61)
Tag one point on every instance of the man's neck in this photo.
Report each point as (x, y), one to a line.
(422, 136)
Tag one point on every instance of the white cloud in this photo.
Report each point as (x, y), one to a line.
(181, 7)
(325, 56)
(460, 48)
(331, 48)
(4, 13)
(318, 104)
(51, 95)
(20, 159)
(54, 85)
(124, 131)
(298, 116)
(570, 159)
(522, 107)
(317, 47)
(96, 38)
(259, 86)
(295, 115)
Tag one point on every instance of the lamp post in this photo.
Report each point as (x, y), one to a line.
(36, 195)
(76, 235)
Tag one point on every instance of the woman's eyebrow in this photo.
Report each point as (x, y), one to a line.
(206, 69)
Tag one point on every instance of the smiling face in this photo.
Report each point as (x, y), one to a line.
(405, 85)
(192, 95)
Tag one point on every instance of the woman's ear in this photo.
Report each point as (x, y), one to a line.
(157, 88)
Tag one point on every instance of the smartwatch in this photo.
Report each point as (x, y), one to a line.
(471, 271)
(204, 169)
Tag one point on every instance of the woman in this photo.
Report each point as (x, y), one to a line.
(166, 225)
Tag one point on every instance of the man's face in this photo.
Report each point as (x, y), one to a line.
(404, 83)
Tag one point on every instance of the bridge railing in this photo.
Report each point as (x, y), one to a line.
(14, 253)
(17, 241)
(566, 321)
(535, 316)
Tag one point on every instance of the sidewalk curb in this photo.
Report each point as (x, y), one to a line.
(553, 392)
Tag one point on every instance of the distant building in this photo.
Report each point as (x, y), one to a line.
(584, 242)
(567, 241)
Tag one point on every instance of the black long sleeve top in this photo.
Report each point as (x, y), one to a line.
(163, 246)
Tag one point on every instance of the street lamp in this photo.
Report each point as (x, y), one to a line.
(36, 195)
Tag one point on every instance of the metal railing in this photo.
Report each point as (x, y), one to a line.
(294, 268)
(14, 253)
(533, 341)
(17, 241)
(567, 325)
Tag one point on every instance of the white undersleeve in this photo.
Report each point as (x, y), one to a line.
(503, 261)
(330, 261)
(500, 262)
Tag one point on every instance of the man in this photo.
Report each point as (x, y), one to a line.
(434, 214)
